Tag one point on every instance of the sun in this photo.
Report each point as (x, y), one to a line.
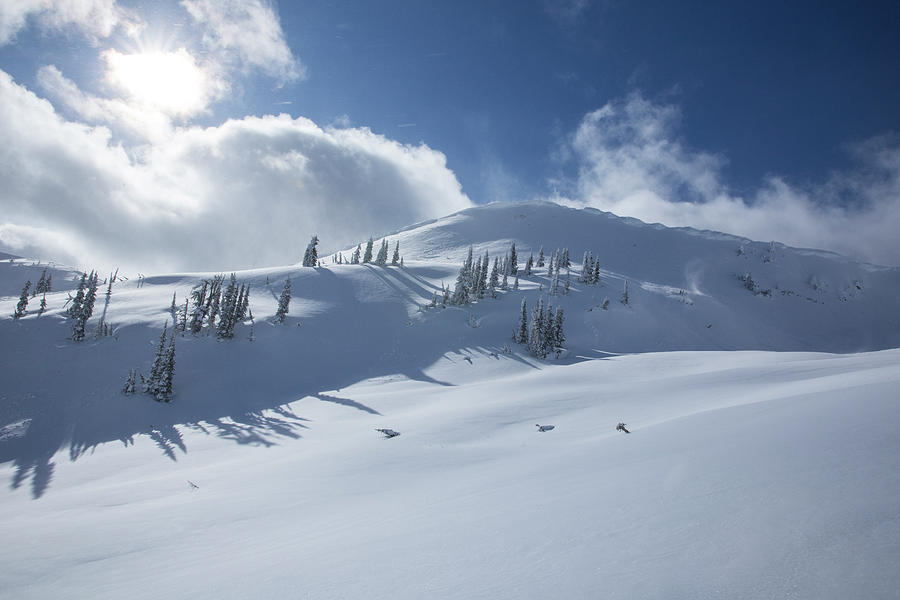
(171, 82)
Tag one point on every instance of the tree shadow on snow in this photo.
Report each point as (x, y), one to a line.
(237, 390)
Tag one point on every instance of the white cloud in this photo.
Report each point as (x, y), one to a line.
(632, 162)
(247, 193)
(94, 18)
(247, 32)
(142, 123)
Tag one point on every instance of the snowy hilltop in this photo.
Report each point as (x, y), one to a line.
(220, 406)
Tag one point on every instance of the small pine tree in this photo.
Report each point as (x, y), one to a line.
(559, 338)
(395, 259)
(354, 258)
(23, 301)
(513, 260)
(43, 305)
(529, 264)
(381, 258)
(566, 287)
(540, 260)
(625, 297)
(367, 257)
(154, 383)
(516, 282)
(168, 374)
(311, 256)
(284, 302)
(521, 336)
(41, 285)
(130, 386)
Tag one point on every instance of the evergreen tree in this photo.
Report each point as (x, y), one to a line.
(154, 383)
(130, 383)
(284, 302)
(566, 287)
(198, 315)
(537, 330)
(311, 256)
(495, 275)
(540, 261)
(183, 321)
(395, 259)
(521, 335)
(354, 258)
(74, 310)
(516, 282)
(625, 294)
(595, 276)
(461, 291)
(23, 301)
(504, 284)
(559, 338)
(529, 264)
(228, 309)
(43, 305)
(381, 258)
(168, 374)
(513, 260)
(367, 257)
(90, 297)
(41, 285)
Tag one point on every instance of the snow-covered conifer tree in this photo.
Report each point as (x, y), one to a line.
(540, 260)
(559, 338)
(130, 386)
(529, 264)
(461, 291)
(168, 374)
(625, 298)
(41, 286)
(395, 259)
(23, 301)
(43, 305)
(354, 258)
(311, 256)
(198, 294)
(154, 383)
(537, 330)
(284, 302)
(381, 258)
(595, 276)
(74, 310)
(367, 257)
(495, 275)
(513, 260)
(521, 336)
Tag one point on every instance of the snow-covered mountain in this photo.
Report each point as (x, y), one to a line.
(747, 474)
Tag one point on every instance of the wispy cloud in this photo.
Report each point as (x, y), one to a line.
(96, 19)
(248, 33)
(632, 161)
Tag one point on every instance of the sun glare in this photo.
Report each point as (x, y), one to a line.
(168, 81)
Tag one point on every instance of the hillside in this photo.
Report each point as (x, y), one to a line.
(749, 474)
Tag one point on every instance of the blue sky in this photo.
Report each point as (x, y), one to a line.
(770, 120)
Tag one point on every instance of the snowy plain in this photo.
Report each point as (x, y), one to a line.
(764, 458)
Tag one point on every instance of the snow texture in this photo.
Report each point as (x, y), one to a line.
(764, 460)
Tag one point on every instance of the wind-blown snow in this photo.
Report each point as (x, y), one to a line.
(748, 474)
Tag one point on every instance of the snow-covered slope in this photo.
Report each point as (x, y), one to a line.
(747, 474)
